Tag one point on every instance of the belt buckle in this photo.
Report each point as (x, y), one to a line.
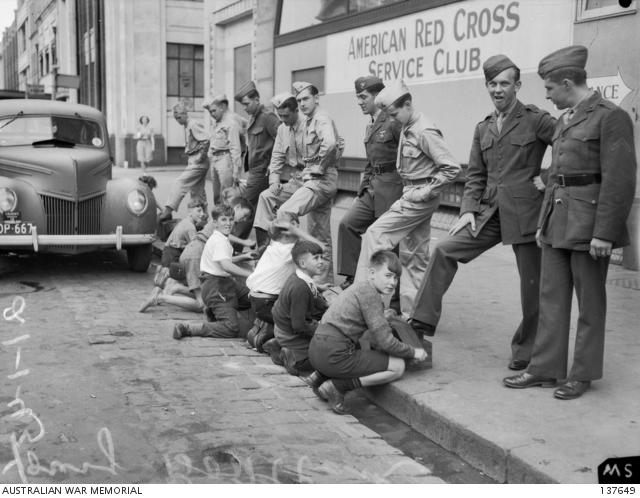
(377, 170)
(561, 181)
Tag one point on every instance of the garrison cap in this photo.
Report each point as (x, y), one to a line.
(278, 100)
(299, 86)
(217, 99)
(495, 64)
(370, 83)
(245, 90)
(391, 93)
(574, 57)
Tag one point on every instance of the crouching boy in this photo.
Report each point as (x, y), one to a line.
(221, 294)
(335, 353)
(299, 307)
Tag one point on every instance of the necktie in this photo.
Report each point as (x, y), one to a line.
(569, 115)
(499, 122)
(314, 289)
(293, 145)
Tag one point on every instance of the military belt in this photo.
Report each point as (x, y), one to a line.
(578, 180)
(219, 152)
(381, 168)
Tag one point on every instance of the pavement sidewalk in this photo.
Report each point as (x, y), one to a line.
(515, 436)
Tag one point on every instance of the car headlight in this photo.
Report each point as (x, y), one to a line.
(8, 199)
(137, 202)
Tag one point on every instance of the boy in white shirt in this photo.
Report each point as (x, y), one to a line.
(221, 294)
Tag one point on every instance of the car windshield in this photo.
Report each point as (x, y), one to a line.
(24, 130)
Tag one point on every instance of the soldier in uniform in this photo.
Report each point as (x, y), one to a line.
(225, 150)
(381, 184)
(192, 179)
(583, 217)
(425, 165)
(501, 203)
(261, 133)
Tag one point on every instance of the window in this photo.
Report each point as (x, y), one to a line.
(596, 9)
(22, 39)
(313, 75)
(185, 70)
(299, 14)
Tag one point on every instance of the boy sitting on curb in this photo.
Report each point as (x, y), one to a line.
(271, 272)
(299, 307)
(335, 353)
(221, 294)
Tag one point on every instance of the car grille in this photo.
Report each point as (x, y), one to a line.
(73, 217)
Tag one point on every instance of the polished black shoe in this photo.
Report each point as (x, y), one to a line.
(289, 361)
(272, 348)
(572, 389)
(518, 364)
(526, 379)
(422, 329)
(334, 397)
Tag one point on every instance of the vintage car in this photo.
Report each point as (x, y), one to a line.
(56, 189)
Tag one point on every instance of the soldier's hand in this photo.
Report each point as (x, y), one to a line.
(420, 354)
(275, 188)
(600, 248)
(538, 243)
(467, 218)
(538, 183)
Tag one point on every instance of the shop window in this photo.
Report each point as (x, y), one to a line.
(185, 70)
(596, 9)
(300, 14)
(314, 75)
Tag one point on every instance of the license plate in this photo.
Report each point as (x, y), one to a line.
(16, 228)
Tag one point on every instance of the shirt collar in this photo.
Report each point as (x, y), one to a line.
(307, 279)
(508, 111)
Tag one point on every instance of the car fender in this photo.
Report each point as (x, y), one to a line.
(29, 202)
(117, 212)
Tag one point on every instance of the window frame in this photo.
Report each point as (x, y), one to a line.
(197, 55)
(584, 15)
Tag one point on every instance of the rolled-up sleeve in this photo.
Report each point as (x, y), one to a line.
(432, 144)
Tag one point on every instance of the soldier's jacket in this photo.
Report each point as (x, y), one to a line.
(261, 133)
(598, 139)
(501, 170)
(423, 155)
(381, 144)
(225, 136)
(196, 139)
(322, 144)
(287, 158)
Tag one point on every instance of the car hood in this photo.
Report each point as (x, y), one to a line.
(65, 172)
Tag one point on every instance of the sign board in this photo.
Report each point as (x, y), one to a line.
(67, 80)
(35, 88)
(449, 43)
(612, 88)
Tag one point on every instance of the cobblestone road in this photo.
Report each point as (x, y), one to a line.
(111, 397)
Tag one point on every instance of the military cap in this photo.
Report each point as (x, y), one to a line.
(574, 57)
(217, 99)
(391, 93)
(370, 83)
(245, 90)
(278, 100)
(299, 86)
(495, 64)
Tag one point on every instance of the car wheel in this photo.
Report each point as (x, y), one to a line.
(139, 257)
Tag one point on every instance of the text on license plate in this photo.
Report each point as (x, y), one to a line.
(17, 228)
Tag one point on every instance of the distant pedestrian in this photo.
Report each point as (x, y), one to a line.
(145, 142)
(587, 201)
(193, 178)
(501, 203)
(335, 353)
(426, 165)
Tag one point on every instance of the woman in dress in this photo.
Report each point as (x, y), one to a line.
(146, 143)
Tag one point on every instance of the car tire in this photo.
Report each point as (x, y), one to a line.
(139, 257)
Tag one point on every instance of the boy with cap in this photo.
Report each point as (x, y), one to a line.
(426, 166)
(501, 203)
(221, 294)
(299, 307)
(341, 365)
(261, 133)
(381, 184)
(192, 179)
(225, 150)
(586, 204)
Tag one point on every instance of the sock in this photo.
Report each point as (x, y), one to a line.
(344, 385)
